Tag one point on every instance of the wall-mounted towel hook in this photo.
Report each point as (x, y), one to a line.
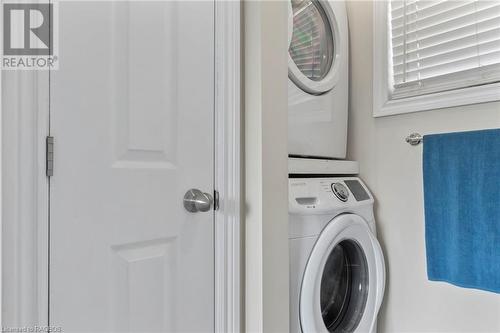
(414, 139)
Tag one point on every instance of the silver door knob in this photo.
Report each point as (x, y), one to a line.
(197, 201)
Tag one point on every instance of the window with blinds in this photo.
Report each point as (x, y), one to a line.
(443, 45)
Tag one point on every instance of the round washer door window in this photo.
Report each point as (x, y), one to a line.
(344, 287)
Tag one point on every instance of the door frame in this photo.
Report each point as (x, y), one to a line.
(24, 125)
(228, 132)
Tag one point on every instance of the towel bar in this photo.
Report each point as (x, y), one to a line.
(414, 139)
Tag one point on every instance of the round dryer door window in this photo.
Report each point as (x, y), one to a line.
(313, 53)
(344, 287)
(312, 45)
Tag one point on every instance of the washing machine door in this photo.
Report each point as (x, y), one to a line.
(315, 44)
(344, 279)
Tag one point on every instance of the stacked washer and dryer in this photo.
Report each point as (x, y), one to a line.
(337, 271)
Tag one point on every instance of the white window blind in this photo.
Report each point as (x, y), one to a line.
(443, 45)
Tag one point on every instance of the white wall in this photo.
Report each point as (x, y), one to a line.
(266, 167)
(392, 169)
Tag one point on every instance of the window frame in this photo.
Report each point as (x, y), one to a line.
(384, 105)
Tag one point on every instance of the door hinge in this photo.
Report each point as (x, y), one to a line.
(216, 200)
(49, 156)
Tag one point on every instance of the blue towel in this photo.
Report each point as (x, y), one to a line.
(462, 208)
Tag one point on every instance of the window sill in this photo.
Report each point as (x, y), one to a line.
(452, 98)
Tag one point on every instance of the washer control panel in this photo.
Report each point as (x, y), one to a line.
(321, 195)
(357, 189)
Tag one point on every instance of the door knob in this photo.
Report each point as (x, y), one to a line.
(197, 201)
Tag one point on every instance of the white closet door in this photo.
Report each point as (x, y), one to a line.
(132, 114)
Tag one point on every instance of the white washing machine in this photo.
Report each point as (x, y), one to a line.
(318, 78)
(337, 271)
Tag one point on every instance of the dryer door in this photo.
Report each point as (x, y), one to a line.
(315, 45)
(344, 279)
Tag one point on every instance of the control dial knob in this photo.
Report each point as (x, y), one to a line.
(340, 191)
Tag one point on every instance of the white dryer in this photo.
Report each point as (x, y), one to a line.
(337, 271)
(318, 78)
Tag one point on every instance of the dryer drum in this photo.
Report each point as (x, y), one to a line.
(344, 287)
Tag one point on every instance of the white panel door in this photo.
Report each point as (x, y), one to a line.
(132, 113)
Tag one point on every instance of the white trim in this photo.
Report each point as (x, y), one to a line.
(265, 167)
(227, 166)
(383, 105)
(24, 198)
(1, 186)
(458, 97)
